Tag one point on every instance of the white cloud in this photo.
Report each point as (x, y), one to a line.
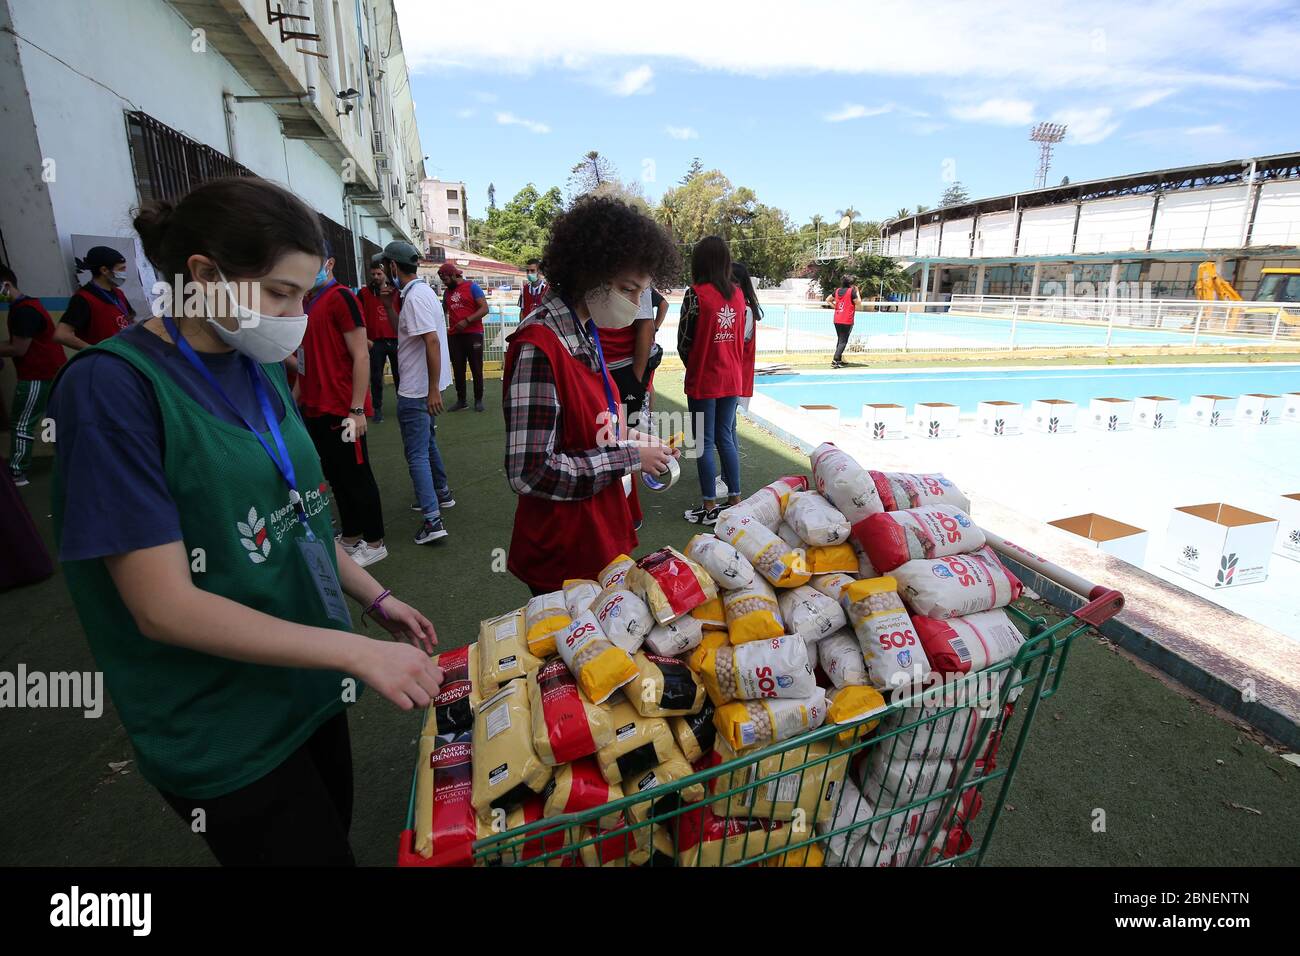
(466, 113)
(484, 97)
(633, 81)
(681, 132)
(852, 111)
(1001, 110)
(510, 119)
(1087, 126)
(1150, 98)
(1215, 129)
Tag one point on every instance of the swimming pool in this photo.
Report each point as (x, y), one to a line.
(849, 390)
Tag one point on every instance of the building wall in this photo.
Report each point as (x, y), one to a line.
(1122, 223)
(1210, 217)
(439, 220)
(956, 237)
(1046, 231)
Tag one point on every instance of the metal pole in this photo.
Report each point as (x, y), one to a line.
(907, 324)
(785, 347)
(1277, 324)
(1160, 304)
(1196, 329)
(1015, 310)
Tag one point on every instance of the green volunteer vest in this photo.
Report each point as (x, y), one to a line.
(203, 726)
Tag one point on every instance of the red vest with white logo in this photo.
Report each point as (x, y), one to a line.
(105, 320)
(44, 356)
(460, 303)
(844, 306)
(715, 367)
(531, 301)
(557, 540)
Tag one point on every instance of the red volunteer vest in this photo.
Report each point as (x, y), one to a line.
(44, 356)
(531, 301)
(844, 306)
(378, 325)
(557, 540)
(460, 303)
(105, 320)
(716, 365)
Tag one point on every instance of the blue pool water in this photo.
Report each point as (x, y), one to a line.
(968, 387)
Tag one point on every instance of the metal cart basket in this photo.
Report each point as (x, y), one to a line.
(920, 783)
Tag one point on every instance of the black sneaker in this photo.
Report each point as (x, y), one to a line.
(703, 515)
(377, 417)
(430, 531)
(478, 406)
(458, 407)
(447, 502)
(20, 481)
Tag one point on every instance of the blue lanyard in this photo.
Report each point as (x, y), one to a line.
(280, 454)
(604, 376)
(323, 289)
(109, 297)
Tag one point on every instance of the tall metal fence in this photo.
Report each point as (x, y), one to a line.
(983, 323)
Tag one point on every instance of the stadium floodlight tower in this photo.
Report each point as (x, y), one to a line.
(1046, 135)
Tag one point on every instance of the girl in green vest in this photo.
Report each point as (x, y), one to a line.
(194, 529)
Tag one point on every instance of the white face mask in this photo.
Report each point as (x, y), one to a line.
(609, 309)
(263, 338)
(117, 278)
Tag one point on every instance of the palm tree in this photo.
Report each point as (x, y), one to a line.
(849, 214)
(920, 208)
(903, 213)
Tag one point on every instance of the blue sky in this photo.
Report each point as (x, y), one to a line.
(825, 104)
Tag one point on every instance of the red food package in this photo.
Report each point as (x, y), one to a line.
(960, 645)
(566, 726)
(671, 584)
(891, 538)
(455, 826)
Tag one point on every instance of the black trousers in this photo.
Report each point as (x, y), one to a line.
(632, 392)
(381, 351)
(466, 348)
(353, 483)
(298, 814)
(842, 333)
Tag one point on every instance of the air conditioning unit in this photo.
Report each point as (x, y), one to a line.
(377, 142)
(381, 163)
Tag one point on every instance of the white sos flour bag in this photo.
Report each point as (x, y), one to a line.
(841, 659)
(957, 585)
(845, 483)
(727, 566)
(892, 538)
(810, 614)
(815, 519)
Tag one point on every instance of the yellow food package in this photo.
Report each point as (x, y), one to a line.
(705, 839)
(566, 726)
(794, 785)
(503, 653)
(666, 687)
(810, 855)
(756, 723)
(578, 787)
(671, 584)
(830, 558)
(452, 711)
(507, 769)
(695, 734)
(614, 573)
(671, 770)
(753, 613)
(630, 847)
(600, 667)
(771, 557)
(640, 743)
(711, 615)
(857, 706)
(712, 641)
(546, 616)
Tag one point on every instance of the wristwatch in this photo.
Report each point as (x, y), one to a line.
(356, 411)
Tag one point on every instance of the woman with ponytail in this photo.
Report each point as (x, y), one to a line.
(193, 525)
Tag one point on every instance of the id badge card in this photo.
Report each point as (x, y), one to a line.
(326, 580)
(627, 483)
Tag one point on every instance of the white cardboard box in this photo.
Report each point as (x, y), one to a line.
(936, 419)
(1111, 414)
(884, 420)
(1053, 416)
(1258, 409)
(999, 418)
(1213, 411)
(1291, 406)
(1219, 545)
(1124, 541)
(1288, 528)
(1156, 412)
(826, 414)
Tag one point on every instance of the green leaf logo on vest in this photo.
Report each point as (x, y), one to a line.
(254, 537)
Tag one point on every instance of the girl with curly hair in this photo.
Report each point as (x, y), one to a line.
(568, 456)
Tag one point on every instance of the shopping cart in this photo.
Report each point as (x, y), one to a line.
(930, 774)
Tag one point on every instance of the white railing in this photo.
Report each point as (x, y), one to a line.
(982, 323)
(1089, 242)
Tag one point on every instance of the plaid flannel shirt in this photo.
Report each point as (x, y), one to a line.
(533, 420)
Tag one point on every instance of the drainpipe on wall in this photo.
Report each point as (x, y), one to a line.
(228, 107)
(1248, 210)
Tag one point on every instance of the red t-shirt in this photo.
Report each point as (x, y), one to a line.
(375, 307)
(459, 303)
(715, 364)
(844, 306)
(324, 362)
(44, 356)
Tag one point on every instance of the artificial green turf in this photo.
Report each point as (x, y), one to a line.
(1113, 739)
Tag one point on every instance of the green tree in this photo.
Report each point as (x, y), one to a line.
(873, 273)
(492, 196)
(590, 173)
(692, 171)
(920, 209)
(903, 213)
(518, 230)
(954, 195)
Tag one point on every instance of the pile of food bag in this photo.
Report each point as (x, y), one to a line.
(811, 603)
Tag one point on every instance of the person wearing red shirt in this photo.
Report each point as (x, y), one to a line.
(753, 315)
(37, 359)
(379, 305)
(535, 288)
(465, 306)
(99, 309)
(846, 299)
(333, 392)
(711, 343)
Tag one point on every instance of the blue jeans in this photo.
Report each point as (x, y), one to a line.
(422, 458)
(719, 418)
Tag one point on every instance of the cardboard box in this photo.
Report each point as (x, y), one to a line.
(1124, 541)
(936, 419)
(1156, 412)
(1053, 416)
(1256, 409)
(1213, 411)
(1291, 407)
(827, 414)
(1111, 414)
(884, 421)
(1287, 543)
(1219, 545)
(999, 418)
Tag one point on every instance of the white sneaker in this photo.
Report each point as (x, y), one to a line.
(363, 554)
